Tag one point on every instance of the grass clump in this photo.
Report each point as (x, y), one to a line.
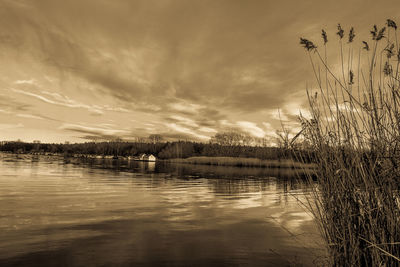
(354, 130)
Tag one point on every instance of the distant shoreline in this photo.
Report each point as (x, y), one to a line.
(166, 150)
(203, 160)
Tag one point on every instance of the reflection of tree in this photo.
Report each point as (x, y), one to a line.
(235, 180)
(240, 186)
(236, 186)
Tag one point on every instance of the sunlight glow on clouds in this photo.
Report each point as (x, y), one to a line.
(180, 129)
(188, 68)
(251, 128)
(29, 116)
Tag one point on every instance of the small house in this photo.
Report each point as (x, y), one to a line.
(147, 157)
(151, 157)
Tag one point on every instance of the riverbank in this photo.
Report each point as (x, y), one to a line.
(161, 150)
(214, 161)
(244, 162)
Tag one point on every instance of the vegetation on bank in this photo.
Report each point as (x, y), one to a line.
(354, 131)
(163, 150)
(245, 162)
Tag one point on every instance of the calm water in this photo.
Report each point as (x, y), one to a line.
(57, 212)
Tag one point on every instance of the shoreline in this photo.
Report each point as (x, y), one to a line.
(201, 160)
(244, 162)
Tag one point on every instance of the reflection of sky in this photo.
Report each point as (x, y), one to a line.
(56, 204)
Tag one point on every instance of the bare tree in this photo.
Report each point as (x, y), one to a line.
(155, 138)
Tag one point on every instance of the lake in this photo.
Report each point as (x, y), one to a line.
(59, 211)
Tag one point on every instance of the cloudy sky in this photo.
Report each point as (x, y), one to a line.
(80, 70)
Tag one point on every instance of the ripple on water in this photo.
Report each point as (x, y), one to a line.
(94, 214)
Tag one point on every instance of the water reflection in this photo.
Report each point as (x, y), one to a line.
(108, 212)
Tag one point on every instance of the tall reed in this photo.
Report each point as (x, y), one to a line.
(354, 129)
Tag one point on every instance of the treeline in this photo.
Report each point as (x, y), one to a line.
(163, 150)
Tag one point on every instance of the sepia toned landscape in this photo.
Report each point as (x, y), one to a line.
(199, 133)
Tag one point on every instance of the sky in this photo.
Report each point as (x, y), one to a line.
(83, 70)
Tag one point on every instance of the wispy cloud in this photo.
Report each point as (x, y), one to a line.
(25, 82)
(6, 126)
(183, 121)
(8, 104)
(5, 111)
(29, 116)
(105, 133)
(184, 107)
(251, 128)
(62, 100)
(207, 130)
(186, 131)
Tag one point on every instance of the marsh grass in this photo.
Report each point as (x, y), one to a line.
(354, 129)
(245, 162)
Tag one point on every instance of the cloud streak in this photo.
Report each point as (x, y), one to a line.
(94, 133)
(61, 100)
(7, 126)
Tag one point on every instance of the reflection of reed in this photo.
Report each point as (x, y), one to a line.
(225, 171)
(244, 162)
(242, 186)
(236, 187)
